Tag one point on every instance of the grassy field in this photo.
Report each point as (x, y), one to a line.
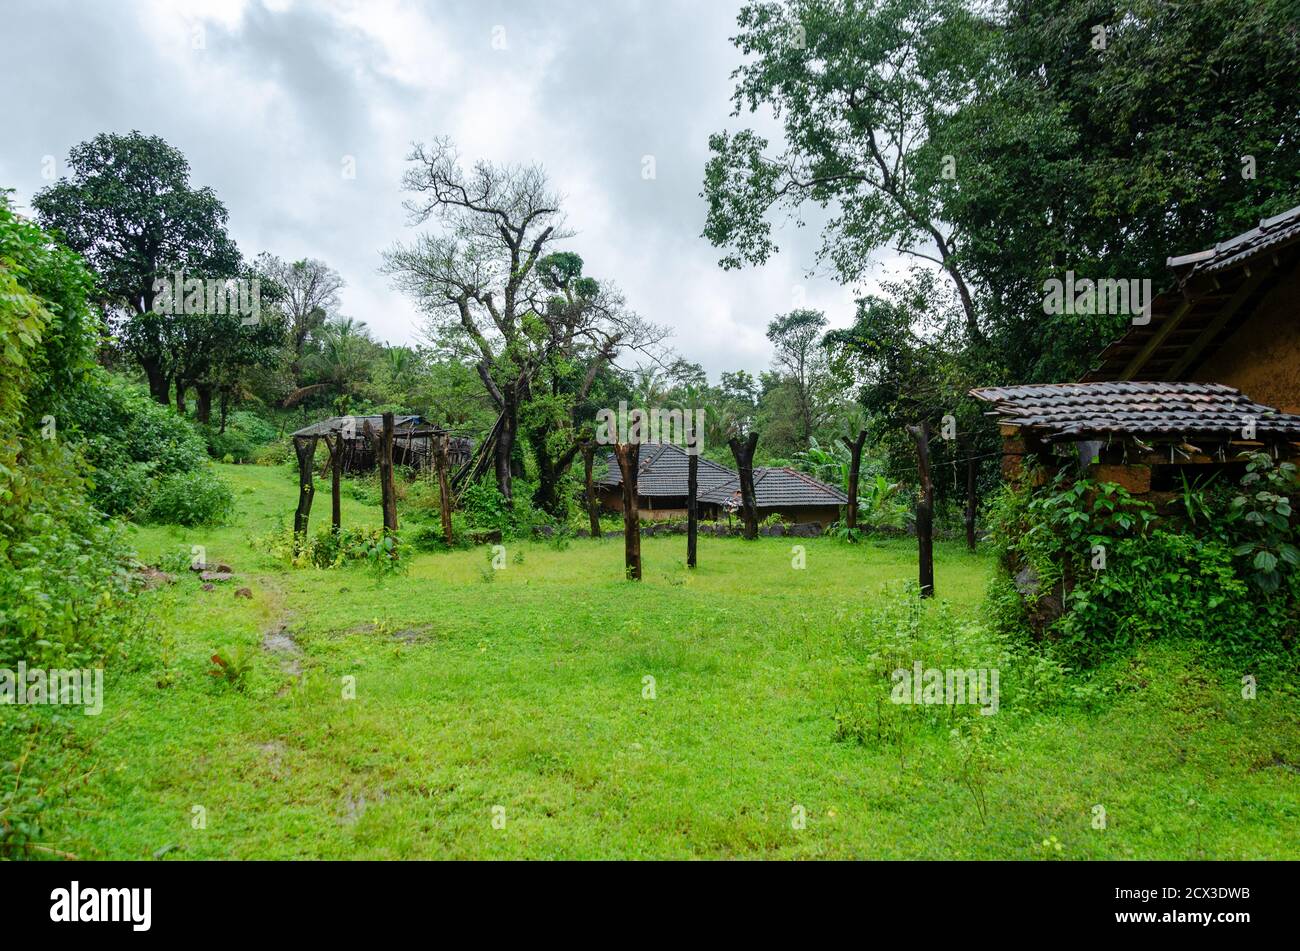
(506, 714)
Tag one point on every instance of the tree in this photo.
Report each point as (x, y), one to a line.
(797, 339)
(129, 210)
(311, 296)
(588, 324)
(477, 279)
(857, 87)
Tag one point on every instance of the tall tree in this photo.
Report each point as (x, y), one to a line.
(477, 278)
(311, 296)
(587, 325)
(796, 337)
(129, 210)
(857, 86)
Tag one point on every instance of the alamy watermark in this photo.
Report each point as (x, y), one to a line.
(683, 427)
(57, 686)
(1105, 296)
(932, 685)
(177, 294)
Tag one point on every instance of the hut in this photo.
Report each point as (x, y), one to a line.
(1214, 373)
(413, 440)
(792, 495)
(661, 483)
(661, 489)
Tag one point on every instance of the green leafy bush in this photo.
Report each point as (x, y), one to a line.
(1096, 573)
(200, 497)
(245, 434)
(128, 439)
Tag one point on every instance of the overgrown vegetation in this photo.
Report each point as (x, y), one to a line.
(1097, 572)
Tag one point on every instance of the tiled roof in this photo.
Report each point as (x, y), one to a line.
(779, 488)
(1074, 410)
(1217, 289)
(337, 423)
(662, 471)
(1269, 233)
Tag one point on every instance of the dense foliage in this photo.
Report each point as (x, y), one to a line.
(1096, 571)
(61, 567)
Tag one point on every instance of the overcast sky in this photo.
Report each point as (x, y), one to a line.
(279, 96)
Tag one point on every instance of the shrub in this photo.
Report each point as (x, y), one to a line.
(276, 453)
(1117, 578)
(245, 434)
(191, 498)
(127, 439)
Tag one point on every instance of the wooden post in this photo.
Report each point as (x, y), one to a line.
(305, 447)
(855, 463)
(924, 509)
(335, 447)
(629, 458)
(970, 501)
(744, 454)
(444, 486)
(692, 507)
(388, 492)
(593, 510)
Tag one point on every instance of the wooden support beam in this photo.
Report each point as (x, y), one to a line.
(305, 448)
(593, 508)
(444, 486)
(692, 506)
(855, 464)
(388, 491)
(1206, 337)
(335, 446)
(629, 458)
(1140, 358)
(924, 510)
(744, 455)
(971, 501)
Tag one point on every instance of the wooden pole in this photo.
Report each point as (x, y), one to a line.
(970, 501)
(692, 506)
(744, 454)
(444, 486)
(855, 463)
(336, 476)
(593, 509)
(924, 509)
(305, 447)
(629, 456)
(388, 492)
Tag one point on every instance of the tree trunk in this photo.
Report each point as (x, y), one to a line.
(388, 490)
(744, 454)
(970, 502)
(203, 404)
(692, 507)
(225, 408)
(855, 463)
(181, 387)
(593, 510)
(160, 384)
(505, 448)
(444, 487)
(924, 510)
(305, 447)
(629, 456)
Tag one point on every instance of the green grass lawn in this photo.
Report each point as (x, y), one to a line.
(525, 689)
